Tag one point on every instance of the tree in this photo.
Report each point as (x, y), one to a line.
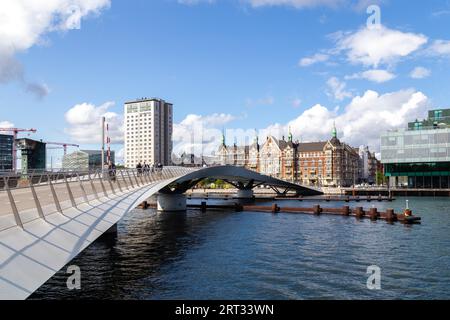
(380, 178)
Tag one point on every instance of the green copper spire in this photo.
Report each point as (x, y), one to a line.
(223, 137)
(334, 133)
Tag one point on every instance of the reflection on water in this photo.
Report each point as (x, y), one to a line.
(227, 255)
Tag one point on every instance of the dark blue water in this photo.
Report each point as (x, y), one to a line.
(228, 255)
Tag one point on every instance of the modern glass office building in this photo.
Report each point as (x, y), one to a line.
(6, 152)
(85, 160)
(33, 154)
(419, 157)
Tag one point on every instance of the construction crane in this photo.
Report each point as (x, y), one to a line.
(15, 132)
(64, 145)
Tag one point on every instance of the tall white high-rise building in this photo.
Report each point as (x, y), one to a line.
(148, 126)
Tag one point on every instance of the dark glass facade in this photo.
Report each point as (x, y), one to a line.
(33, 154)
(432, 175)
(6, 152)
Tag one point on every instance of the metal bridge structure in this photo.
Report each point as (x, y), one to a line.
(48, 218)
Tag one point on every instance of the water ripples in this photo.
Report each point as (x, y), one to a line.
(227, 255)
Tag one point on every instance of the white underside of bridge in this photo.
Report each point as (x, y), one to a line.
(31, 256)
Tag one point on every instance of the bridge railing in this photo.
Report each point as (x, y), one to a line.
(36, 195)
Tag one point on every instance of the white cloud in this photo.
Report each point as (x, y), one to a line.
(6, 125)
(199, 134)
(376, 46)
(308, 61)
(420, 73)
(120, 156)
(338, 89)
(23, 24)
(359, 123)
(440, 48)
(84, 122)
(376, 75)
(362, 120)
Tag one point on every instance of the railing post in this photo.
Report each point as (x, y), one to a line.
(72, 199)
(141, 178)
(124, 180)
(102, 184)
(129, 177)
(118, 182)
(14, 207)
(136, 179)
(150, 176)
(55, 197)
(111, 185)
(109, 181)
(37, 202)
(35, 197)
(40, 179)
(82, 188)
(92, 186)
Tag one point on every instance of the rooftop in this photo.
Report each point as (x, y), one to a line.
(441, 126)
(312, 146)
(145, 99)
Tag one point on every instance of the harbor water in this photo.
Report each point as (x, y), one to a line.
(245, 255)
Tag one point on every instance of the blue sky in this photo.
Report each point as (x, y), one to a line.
(232, 63)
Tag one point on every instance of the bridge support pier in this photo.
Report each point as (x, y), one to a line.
(171, 202)
(245, 194)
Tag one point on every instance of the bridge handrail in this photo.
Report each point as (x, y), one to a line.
(118, 180)
(57, 177)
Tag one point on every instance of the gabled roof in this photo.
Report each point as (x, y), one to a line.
(312, 146)
(275, 141)
(335, 141)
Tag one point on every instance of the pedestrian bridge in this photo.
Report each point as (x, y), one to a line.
(46, 220)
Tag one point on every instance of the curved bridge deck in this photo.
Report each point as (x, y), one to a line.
(44, 226)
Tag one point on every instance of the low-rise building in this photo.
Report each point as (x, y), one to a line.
(84, 160)
(369, 165)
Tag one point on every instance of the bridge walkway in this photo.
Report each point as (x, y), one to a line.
(31, 255)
